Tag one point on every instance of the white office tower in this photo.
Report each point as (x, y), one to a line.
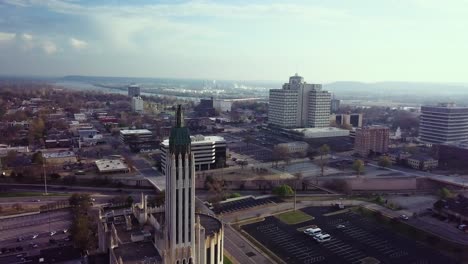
(299, 104)
(180, 196)
(137, 104)
(444, 123)
(133, 90)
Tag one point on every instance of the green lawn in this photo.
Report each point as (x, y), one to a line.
(227, 260)
(294, 217)
(28, 194)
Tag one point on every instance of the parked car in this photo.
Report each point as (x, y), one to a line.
(313, 231)
(322, 238)
(404, 217)
(53, 233)
(340, 226)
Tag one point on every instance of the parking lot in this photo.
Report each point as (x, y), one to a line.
(243, 204)
(360, 237)
(253, 151)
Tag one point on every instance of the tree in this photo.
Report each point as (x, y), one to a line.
(38, 158)
(37, 128)
(81, 232)
(248, 139)
(10, 157)
(80, 203)
(129, 200)
(55, 176)
(358, 166)
(323, 151)
(385, 162)
(283, 190)
(279, 153)
(445, 193)
(338, 185)
(157, 200)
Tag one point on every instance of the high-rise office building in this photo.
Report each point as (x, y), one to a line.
(443, 123)
(335, 105)
(299, 104)
(371, 139)
(137, 104)
(133, 90)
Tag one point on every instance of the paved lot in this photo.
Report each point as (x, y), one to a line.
(362, 237)
(243, 204)
(254, 151)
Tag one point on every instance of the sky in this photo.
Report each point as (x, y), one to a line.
(324, 41)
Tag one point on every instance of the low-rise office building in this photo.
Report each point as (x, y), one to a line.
(299, 147)
(61, 157)
(111, 166)
(135, 136)
(422, 162)
(210, 152)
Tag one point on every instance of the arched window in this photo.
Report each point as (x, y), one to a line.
(190, 261)
(183, 261)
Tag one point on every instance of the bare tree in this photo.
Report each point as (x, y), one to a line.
(280, 153)
(323, 151)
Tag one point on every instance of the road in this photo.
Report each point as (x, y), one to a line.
(32, 220)
(155, 177)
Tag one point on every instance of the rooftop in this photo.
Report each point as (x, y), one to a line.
(211, 224)
(62, 154)
(199, 139)
(135, 131)
(108, 165)
(138, 252)
(421, 157)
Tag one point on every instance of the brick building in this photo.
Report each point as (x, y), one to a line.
(371, 139)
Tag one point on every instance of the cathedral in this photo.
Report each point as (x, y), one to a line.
(170, 234)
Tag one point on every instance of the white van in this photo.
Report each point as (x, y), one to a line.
(322, 238)
(313, 231)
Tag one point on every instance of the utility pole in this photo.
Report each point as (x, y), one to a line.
(45, 176)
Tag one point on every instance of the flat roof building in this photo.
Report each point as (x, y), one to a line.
(210, 152)
(371, 139)
(444, 123)
(111, 166)
(133, 90)
(299, 104)
(129, 135)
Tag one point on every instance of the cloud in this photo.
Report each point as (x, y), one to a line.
(27, 37)
(49, 47)
(6, 37)
(78, 44)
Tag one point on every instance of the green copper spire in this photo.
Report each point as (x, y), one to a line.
(179, 140)
(179, 117)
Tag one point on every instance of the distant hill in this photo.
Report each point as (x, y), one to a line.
(397, 87)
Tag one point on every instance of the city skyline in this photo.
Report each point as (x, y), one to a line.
(332, 41)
